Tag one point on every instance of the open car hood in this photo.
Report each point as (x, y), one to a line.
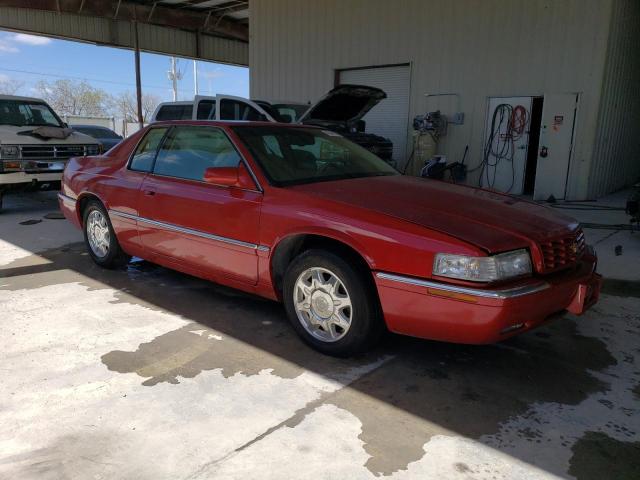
(344, 104)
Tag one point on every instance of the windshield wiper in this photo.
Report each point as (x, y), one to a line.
(380, 174)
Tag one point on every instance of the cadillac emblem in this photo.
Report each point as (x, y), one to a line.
(573, 248)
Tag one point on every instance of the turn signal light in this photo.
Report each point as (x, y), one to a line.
(453, 295)
(12, 166)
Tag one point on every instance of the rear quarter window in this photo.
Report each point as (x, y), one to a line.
(175, 112)
(145, 153)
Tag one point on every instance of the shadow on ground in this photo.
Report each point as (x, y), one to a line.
(463, 390)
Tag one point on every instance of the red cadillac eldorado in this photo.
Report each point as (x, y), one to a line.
(351, 247)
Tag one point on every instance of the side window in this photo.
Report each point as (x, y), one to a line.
(189, 151)
(175, 112)
(146, 152)
(206, 110)
(237, 110)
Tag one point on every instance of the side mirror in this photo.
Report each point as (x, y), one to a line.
(226, 176)
(230, 177)
(361, 125)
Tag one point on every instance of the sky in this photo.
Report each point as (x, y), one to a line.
(28, 59)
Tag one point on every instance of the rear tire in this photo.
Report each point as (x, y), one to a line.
(100, 238)
(332, 305)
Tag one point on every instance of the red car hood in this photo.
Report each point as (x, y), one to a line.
(489, 220)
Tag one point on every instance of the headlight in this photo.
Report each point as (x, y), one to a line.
(9, 151)
(93, 149)
(483, 269)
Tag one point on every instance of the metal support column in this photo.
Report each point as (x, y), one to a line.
(138, 81)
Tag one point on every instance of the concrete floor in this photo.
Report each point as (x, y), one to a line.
(149, 374)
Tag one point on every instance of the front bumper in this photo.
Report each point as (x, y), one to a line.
(17, 178)
(440, 311)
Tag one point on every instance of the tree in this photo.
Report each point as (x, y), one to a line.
(9, 86)
(124, 105)
(69, 97)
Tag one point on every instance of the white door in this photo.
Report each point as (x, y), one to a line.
(391, 116)
(505, 144)
(240, 109)
(204, 108)
(556, 142)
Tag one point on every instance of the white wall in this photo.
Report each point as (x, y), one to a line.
(616, 158)
(475, 48)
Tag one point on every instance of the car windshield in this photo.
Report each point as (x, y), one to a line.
(293, 110)
(97, 132)
(23, 113)
(292, 156)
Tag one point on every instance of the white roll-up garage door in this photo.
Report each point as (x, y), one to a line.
(391, 116)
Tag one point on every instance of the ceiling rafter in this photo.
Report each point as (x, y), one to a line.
(143, 12)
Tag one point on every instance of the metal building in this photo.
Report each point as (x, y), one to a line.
(572, 65)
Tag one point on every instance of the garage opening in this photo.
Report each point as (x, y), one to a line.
(391, 116)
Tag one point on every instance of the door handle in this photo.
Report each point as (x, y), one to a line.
(149, 192)
(544, 152)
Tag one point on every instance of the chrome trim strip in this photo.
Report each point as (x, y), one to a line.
(189, 231)
(500, 294)
(67, 198)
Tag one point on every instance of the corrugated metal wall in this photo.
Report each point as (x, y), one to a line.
(616, 156)
(477, 49)
(119, 33)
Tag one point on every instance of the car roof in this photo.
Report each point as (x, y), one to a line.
(25, 99)
(76, 125)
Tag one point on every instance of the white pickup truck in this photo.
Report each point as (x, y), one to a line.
(35, 144)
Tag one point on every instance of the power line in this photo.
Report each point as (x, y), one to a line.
(112, 82)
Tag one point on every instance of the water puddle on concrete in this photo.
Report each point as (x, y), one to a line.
(190, 350)
(441, 389)
(596, 456)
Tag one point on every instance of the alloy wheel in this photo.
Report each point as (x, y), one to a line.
(322, 304)
(98, 233)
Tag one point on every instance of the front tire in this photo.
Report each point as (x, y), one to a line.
(332, 305)
(100, 237)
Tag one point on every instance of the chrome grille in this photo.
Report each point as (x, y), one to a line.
(57, 152)
(562, 252)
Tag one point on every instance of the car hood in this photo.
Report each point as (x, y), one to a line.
(344, 104)
(492, 221)
(9, 135)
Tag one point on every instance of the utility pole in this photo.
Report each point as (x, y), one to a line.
(195, 77)
(174, 75)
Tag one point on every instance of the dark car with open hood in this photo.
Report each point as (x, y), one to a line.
(341, 110)
(302, 215)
